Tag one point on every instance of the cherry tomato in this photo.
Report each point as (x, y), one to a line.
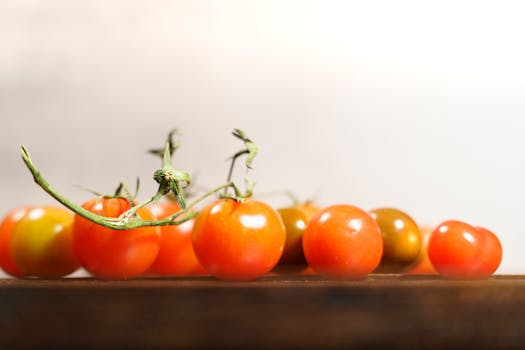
(422, 265)
(7, 263)
(295, 220)
(401, 239)
(238, 240)
(343, 241)
(41, 243)
(114, 254)
(459, 250)
(176, 256)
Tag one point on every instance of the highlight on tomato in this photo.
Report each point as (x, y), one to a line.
(114, 254)
(238, 240)
(7, 263)
(41, 243)
(459, 250)
(401, 239)
(343, 241)
(176, 256)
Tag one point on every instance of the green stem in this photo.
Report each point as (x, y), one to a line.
(232, 164)
(251, 151)
(171, 220)
(129, 221)
(63, 200)
(133, 210)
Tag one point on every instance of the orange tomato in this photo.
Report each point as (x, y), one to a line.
(238, 240)
(343, 241)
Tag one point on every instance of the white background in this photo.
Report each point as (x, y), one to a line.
(413, 104)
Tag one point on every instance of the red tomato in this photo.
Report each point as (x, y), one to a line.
(343, 241)
(41, 243)
(7, 262)
(238, 240)
(459, 250)
(422, 265)
(114, 254)
(176, 256)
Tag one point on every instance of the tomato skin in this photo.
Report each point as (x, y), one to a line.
(422, 265)
(343, 241)
(295, 220)
(41, 243)
(459, 250)
(7, 263)
(238, 240)
(401, 239)
(493, 252)
(176, 256)
(114, 254)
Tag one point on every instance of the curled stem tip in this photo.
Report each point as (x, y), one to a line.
(250, 150)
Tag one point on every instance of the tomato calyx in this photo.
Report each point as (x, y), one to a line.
(171, 180)
(127, 220)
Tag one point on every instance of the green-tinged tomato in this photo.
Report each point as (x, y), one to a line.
(41, 244)
(401, 239)
(295, 220)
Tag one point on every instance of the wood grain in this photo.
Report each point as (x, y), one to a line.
(273, 312)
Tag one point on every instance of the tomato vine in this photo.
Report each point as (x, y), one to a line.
(170, 180)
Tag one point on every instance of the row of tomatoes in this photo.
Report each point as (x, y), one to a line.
(242, 240)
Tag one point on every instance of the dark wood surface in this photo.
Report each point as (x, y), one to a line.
(273, 312)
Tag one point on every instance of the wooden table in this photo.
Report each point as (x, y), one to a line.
(273, 312)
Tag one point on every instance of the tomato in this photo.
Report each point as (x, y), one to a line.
(114, 254)
(401, 239)
(176, 256)
(238, 240)
(7, 263)
(41, 243)
(459, 250)
(343, 241)
(295, 220)
(422, 265)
